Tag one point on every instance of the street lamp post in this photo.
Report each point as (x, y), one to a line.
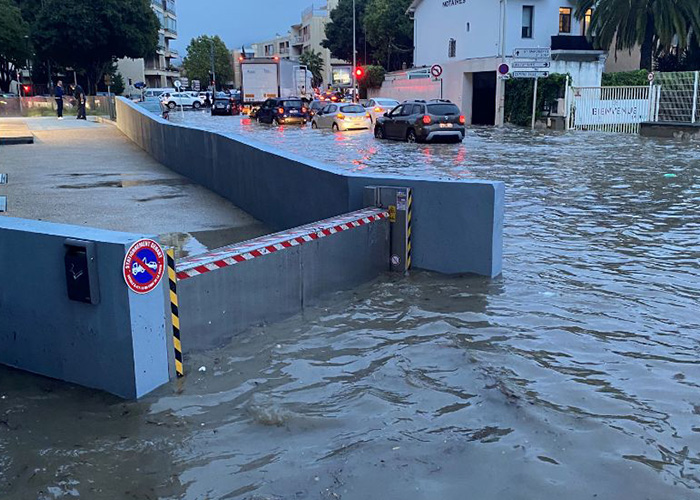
(354, 56)
(213, 73)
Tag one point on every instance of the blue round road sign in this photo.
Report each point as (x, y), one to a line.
(144, 266)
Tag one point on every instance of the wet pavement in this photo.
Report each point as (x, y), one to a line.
(574, 375)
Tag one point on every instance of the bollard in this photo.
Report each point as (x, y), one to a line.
(175, 314)
(399, 202)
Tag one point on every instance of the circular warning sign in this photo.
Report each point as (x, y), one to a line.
(144, 266)
(651, 76)
(436, 70)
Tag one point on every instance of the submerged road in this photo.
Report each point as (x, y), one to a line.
(574, 375)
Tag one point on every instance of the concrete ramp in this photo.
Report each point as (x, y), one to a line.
(15, 132)
(224, 292)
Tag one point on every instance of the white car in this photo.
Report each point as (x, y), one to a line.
(378, 106)
(174, 99)
(339, 116)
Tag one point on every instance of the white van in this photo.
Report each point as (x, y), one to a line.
(154, 94)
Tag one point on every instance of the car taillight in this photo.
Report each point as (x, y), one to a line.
(427, 120)
(462, 120)
(280, 111)
(303, 110)
(340, 116)
(377, 109)
(334, 98)
(367, 115)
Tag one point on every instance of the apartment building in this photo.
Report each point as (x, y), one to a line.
(306, 35)
(156, 70)
(471, 39)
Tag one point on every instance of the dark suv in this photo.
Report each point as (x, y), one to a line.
(422, 121)
(279, 111)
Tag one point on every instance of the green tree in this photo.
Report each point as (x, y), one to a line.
(14, 42)
(390, 31)
(651, 24)
(314, 62)
(118, 85)
(197, 63)
(90, 36)
(339, 31)
(374, 77)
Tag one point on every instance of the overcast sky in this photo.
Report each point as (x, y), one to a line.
(237, 22)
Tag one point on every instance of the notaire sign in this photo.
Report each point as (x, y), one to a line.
(450, 3)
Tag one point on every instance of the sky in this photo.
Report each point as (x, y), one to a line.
(237, 22)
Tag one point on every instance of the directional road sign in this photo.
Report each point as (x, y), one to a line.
(531, 64)
(530, 74)
(538, 53)
(3, 178)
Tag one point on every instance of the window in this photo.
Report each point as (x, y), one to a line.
(397, 111)
(452, 48)
(587, 21)
(528, 11)
(564, 19)
(443, 109)
(418, 110)
(406, 110)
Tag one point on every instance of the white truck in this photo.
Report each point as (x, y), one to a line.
(264, 78)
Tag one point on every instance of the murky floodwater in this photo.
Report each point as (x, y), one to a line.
(575, 375)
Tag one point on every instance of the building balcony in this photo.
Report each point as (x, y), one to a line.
(172, 53)
(298, 40)
(161, 72)
(575, 48)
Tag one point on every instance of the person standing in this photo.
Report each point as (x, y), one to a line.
(59, 99)
(80, 99)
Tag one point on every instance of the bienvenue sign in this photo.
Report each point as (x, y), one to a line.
(609, 112)
(451, 3)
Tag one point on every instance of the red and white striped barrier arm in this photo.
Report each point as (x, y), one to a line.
(265, 245)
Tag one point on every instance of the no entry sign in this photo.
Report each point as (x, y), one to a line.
(144, 266)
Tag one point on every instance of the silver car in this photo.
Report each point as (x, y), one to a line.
(377, 106)
(339, 116)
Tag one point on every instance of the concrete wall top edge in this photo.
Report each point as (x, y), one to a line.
(309, 162)
(68, 230)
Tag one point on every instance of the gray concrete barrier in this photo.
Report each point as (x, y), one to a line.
(116, 343)
(224, 292)
(457, 225)
(670, 130)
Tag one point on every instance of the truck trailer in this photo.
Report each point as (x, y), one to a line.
(264, 78)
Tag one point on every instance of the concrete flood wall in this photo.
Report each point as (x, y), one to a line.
(457, 226)
(224, 292)
(118, 345)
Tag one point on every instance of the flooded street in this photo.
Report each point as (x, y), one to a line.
(576, 374)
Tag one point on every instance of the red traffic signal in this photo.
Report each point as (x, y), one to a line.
(359, 73)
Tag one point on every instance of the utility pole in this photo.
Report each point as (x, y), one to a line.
(213, 72)
(354, 56)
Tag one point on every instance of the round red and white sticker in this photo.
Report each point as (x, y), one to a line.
(144, 266)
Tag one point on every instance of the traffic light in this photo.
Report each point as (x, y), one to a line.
(27, 89)
(359, 73)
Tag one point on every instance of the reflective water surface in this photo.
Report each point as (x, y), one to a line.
(574, 375)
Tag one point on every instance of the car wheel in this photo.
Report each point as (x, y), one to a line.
(196, 104)
(171, 105)
(379, 132)
(411, 136)
(335, 128)
(314, 126)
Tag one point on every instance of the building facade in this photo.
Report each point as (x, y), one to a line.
(471, 38)
(306, 35)
(156, 70)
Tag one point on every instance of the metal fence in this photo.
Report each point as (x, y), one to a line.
(46, 106)
(678, 101)
(612, 109)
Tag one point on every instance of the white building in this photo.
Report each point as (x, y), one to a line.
(156, 70)
(306, 35)
(471, 38)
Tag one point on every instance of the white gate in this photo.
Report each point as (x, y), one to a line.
(613, 109)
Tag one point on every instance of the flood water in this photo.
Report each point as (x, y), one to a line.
(576, 374)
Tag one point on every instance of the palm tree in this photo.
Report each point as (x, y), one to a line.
(314, 62)
(650, 24)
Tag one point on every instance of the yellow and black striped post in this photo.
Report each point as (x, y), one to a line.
(175, 314)
(409, 221)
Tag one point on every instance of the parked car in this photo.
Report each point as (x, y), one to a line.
(282, 110)
(174, 99)
(377, 106)
(342, 117)
(156, 93)
(422, 121)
